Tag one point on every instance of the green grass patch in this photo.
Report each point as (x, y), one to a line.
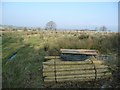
(25, 70)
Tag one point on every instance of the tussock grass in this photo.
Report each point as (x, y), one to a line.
(25, 70)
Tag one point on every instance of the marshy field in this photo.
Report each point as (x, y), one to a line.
(23, 52)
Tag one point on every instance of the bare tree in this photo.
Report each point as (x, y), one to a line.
(103, 28)
(51, 25)
(96, 28)
(25, 28)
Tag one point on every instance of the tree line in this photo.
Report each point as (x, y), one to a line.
(51, 25)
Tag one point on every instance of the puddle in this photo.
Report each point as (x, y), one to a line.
(13, 56)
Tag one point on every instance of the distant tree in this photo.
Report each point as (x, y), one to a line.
(96, 28)
(14, 29)
(50, 26)
(109, 30)
(103, 28)
(25, 28)
(39, 28)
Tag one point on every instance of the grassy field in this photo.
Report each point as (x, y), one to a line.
(25, 70)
